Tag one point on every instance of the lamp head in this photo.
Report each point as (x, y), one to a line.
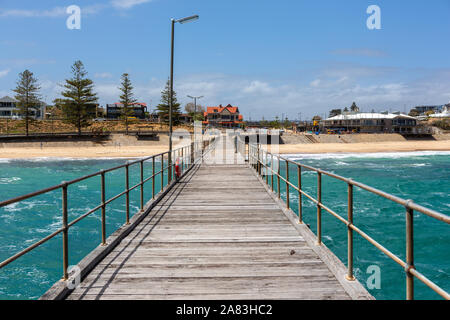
(188, 19)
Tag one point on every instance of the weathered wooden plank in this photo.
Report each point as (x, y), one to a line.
(301, 295)
(213, 285)
(298, 243)
(221, 259)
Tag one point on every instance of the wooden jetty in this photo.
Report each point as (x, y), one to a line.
(219, 234)
(223, 230)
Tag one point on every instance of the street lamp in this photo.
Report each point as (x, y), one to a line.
(195, 104)
(181, 21)
(195, 112)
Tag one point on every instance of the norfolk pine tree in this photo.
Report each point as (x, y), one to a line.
(126, 99)
(163, 107)
(78, 97)
(27, 96)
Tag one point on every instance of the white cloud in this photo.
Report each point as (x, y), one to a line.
(108, 92)
(258, 87)
(103, 75)
(315, 83)
(127, 4)
(4, 72)
(269, 97)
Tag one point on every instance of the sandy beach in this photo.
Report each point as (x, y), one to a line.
(82, 152)
(148, 150)
(372, 147)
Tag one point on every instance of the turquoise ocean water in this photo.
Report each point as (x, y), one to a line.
(423, 177)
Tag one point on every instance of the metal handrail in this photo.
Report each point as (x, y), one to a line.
(258, 159)
(188, 159)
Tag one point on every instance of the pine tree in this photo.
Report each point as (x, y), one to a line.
(126, 99)
(354, 107)
(79, 99)
(163, 107)
(27, 96)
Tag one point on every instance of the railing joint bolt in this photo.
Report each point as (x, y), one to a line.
(408, 267)
(409, 203)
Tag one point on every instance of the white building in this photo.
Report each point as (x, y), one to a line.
(444, 114)
(372, 123)
(9, 109)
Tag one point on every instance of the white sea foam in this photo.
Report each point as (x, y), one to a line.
(9, 180)
(54, 159)
(24, 205)
(342, 163)
(420, 165)
(377, 155)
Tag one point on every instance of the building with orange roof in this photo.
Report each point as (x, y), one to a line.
(220, 116)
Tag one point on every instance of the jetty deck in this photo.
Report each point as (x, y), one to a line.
(218, 234)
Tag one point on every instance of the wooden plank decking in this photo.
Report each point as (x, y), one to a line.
(218, 234)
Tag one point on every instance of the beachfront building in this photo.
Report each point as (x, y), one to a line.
(424, 109)
(114, 111)
(9, 109)
(228, 117)
(371, 123)
(444, 114)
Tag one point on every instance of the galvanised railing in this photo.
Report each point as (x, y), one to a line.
(188, 156)
(263, 162)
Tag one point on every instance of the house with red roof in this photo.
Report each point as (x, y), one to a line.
(220, 116)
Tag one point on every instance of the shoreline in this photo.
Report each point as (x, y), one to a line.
(111, 152)
(372, 147)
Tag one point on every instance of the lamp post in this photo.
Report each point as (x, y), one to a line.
(195, 104)
(195, 113)
(182, 21)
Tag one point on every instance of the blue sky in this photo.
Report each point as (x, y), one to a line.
(267, 57)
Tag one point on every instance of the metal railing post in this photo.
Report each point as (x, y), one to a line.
(127, 194)
(169, 165)
(258, 164)
(319, 209)
(271, 171)
(248, 153)
(409, 252)
(266, 168)
(162, 172)
(103, 208)
(287, 185)
(153, 177)
(300, 209)
(350, 275)
(182, 160)
(142, 185)
(172, 167)
(278, 178)
(65, 233)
